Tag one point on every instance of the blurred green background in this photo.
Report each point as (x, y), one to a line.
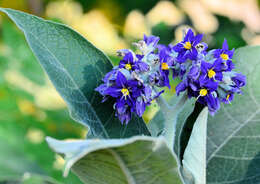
(30, 108)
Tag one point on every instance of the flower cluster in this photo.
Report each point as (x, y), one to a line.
(132, 83)
(209, 76)
(206, 75)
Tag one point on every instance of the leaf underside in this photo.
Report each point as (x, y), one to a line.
(137, 160)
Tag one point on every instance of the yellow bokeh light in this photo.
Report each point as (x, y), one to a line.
(98, 29)
(136, 25)
(59, 162)
(46, 97)
(67, 11)
(244, 10)
(202, 19)
(35, 136)
(179, 32)
(165, 11)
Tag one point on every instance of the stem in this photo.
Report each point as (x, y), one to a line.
(164, 106)
(171, 120)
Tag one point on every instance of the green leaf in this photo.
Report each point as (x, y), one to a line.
(194, 159)
(76, 68)
(184, 127)
(135, 160)
(185, 119)
(233, 134)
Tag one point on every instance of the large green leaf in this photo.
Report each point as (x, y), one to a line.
(233, 134)
(76, 68)
(137, 160)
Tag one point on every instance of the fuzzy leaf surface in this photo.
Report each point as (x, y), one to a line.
(194, 159)
(136, 160)
(76, 68)
(233, 134)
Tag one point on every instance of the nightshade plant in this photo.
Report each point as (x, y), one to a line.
(181, 144)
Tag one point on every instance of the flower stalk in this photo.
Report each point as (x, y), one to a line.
(171, 115)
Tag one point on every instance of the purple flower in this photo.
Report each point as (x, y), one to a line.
(108, 80)
(155, 79)
(194, 72)
(228, 98)
(165, 64)
(128, 62)
(124, 91)
(204, 91)
(225, 55)
(151, 41)
(166, 49)
(182, 86)
(110, 76)
(123, 112)
(191, 86)
(148, 44)
(186, 49)
(143, 100)
(142, 66)
(207, 95)
(239, 79)
(202, 48)
(179, 70)
(101, 89)
(211, 71)
(191, 81)
(131, 95)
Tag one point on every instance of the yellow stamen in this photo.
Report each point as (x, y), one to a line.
(224, 56)
(203, 92)
(227, 98)
(128, 66)
(165, 66)
(211, 73)
(187, 45)
(125, 92)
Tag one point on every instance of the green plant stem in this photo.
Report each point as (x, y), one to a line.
(171, 114)
(163, 104)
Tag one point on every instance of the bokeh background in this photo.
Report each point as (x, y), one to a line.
(31, 109)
